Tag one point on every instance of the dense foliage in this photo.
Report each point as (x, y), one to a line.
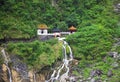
(19, 19)
(96, 21)
(36, 54)
(91, 45)
(91, 41)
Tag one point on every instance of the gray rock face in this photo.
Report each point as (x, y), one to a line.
(25, 80)
(95, 73)
(96, 80)
(113, 54)
(117, 8)
(19, 66)
(1, 80)
(73, 79)
(64, 78)
(110, 73)
(92, 80)
(115, 64)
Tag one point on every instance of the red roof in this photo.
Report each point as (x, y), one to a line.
(72, 28)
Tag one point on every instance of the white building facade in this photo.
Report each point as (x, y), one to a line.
(42, 32)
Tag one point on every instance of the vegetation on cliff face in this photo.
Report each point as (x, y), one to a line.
(92, 41)
(92, 45)
(96, 21)
(36, 54)
(1, 59)
(19, 19)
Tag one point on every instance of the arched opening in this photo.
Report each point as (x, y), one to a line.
(42, 31)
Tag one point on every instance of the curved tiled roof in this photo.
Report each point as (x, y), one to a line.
(42, 26)
(72, 28)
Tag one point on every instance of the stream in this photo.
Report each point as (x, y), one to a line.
(58, 75)
(6, 61)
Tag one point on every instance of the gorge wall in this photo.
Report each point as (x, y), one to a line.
(16, 77)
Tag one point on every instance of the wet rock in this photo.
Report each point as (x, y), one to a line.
(115, 65)
(98, 80)
(40, 77)
(25, 80)
(73, 79)
(96, 73)
(0, 73)
(110, 73)
(117, 44)
(80, 80)
(19, 66)
(92, 80)
(118, 57)
(16, 76)
(93, 73)
(64, 78)
(89, 78)
(75, 62)
(117, 8)
(67, 79)
(113, 54)
(118, 5)
(99, 72)
(1, 80)
(5, 73)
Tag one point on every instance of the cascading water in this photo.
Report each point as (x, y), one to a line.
(6, 61)
(34, 77)
(57, 74)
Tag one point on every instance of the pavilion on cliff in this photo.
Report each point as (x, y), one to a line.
(42, 29)
(72, 29)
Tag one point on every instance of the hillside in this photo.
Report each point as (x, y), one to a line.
(19, 19)
(98, 33)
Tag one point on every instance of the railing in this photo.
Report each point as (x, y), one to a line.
(65, 32)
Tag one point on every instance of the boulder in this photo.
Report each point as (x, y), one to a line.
(113, 54)
(110, 73)
(96, 73)
(115, 65)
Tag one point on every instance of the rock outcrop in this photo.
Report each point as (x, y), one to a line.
(16, 77)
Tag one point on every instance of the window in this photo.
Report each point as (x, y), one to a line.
(42, 31)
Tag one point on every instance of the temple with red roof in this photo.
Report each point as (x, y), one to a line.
(72, 29)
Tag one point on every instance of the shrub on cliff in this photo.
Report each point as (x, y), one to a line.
(91, 41)
(36, 54)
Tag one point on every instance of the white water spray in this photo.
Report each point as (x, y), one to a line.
(57, 74)
(34, 77)
(6, 63)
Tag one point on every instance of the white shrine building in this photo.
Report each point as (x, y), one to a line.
(42, 29)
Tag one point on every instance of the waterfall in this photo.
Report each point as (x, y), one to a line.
(57, 74)
(71, 55)
(34, 77)
(6, 63)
